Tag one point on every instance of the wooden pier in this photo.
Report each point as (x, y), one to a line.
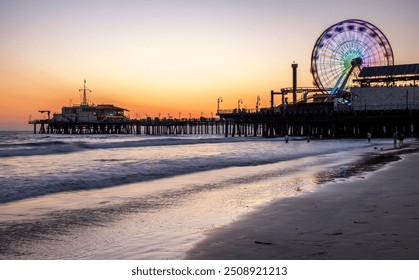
(129, 126)
(313, 121)
(324, 122)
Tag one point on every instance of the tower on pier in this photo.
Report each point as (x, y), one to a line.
(84, 89)
(294, 82)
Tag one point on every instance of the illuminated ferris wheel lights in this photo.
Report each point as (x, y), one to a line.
(343, 47)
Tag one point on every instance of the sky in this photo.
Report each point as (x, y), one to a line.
(171, 57)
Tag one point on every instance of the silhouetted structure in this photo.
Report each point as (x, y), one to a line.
(294, 82)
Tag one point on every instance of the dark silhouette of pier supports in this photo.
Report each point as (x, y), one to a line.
(148, 127)
(323, 122)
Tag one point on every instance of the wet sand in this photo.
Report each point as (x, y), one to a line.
(370, 216)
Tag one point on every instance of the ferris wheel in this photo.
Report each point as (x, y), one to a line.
(342, 49)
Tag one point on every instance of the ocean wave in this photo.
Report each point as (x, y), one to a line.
(108, 168)
(39, 148)
(34, 166)
(69, 145)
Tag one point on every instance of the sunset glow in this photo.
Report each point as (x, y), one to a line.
(171, 57)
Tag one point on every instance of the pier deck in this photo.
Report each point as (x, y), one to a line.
(321, 121)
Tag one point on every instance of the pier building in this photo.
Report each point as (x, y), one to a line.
(387, 88)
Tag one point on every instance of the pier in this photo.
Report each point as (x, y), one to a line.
(350, 99)
(369, 107)
(131, 126)
(324, 122)
(312, 120)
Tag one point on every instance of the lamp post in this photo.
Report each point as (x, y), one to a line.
(257, 103)
(238, 104)
(220, 99)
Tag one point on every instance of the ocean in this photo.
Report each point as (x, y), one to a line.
(148, 197)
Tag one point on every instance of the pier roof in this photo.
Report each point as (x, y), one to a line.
(392, 70)
(110, 107)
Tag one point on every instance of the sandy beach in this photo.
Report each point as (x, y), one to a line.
(371, 216)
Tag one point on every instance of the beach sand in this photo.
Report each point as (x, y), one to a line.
(370, 216)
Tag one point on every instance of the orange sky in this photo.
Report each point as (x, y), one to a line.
(168, 57)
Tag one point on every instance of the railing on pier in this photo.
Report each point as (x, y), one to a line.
(237, 111)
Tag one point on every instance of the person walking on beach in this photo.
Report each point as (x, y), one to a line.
(400, 138)
(395, 138)
(369, 136)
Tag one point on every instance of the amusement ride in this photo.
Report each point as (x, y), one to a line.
(341, 51)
